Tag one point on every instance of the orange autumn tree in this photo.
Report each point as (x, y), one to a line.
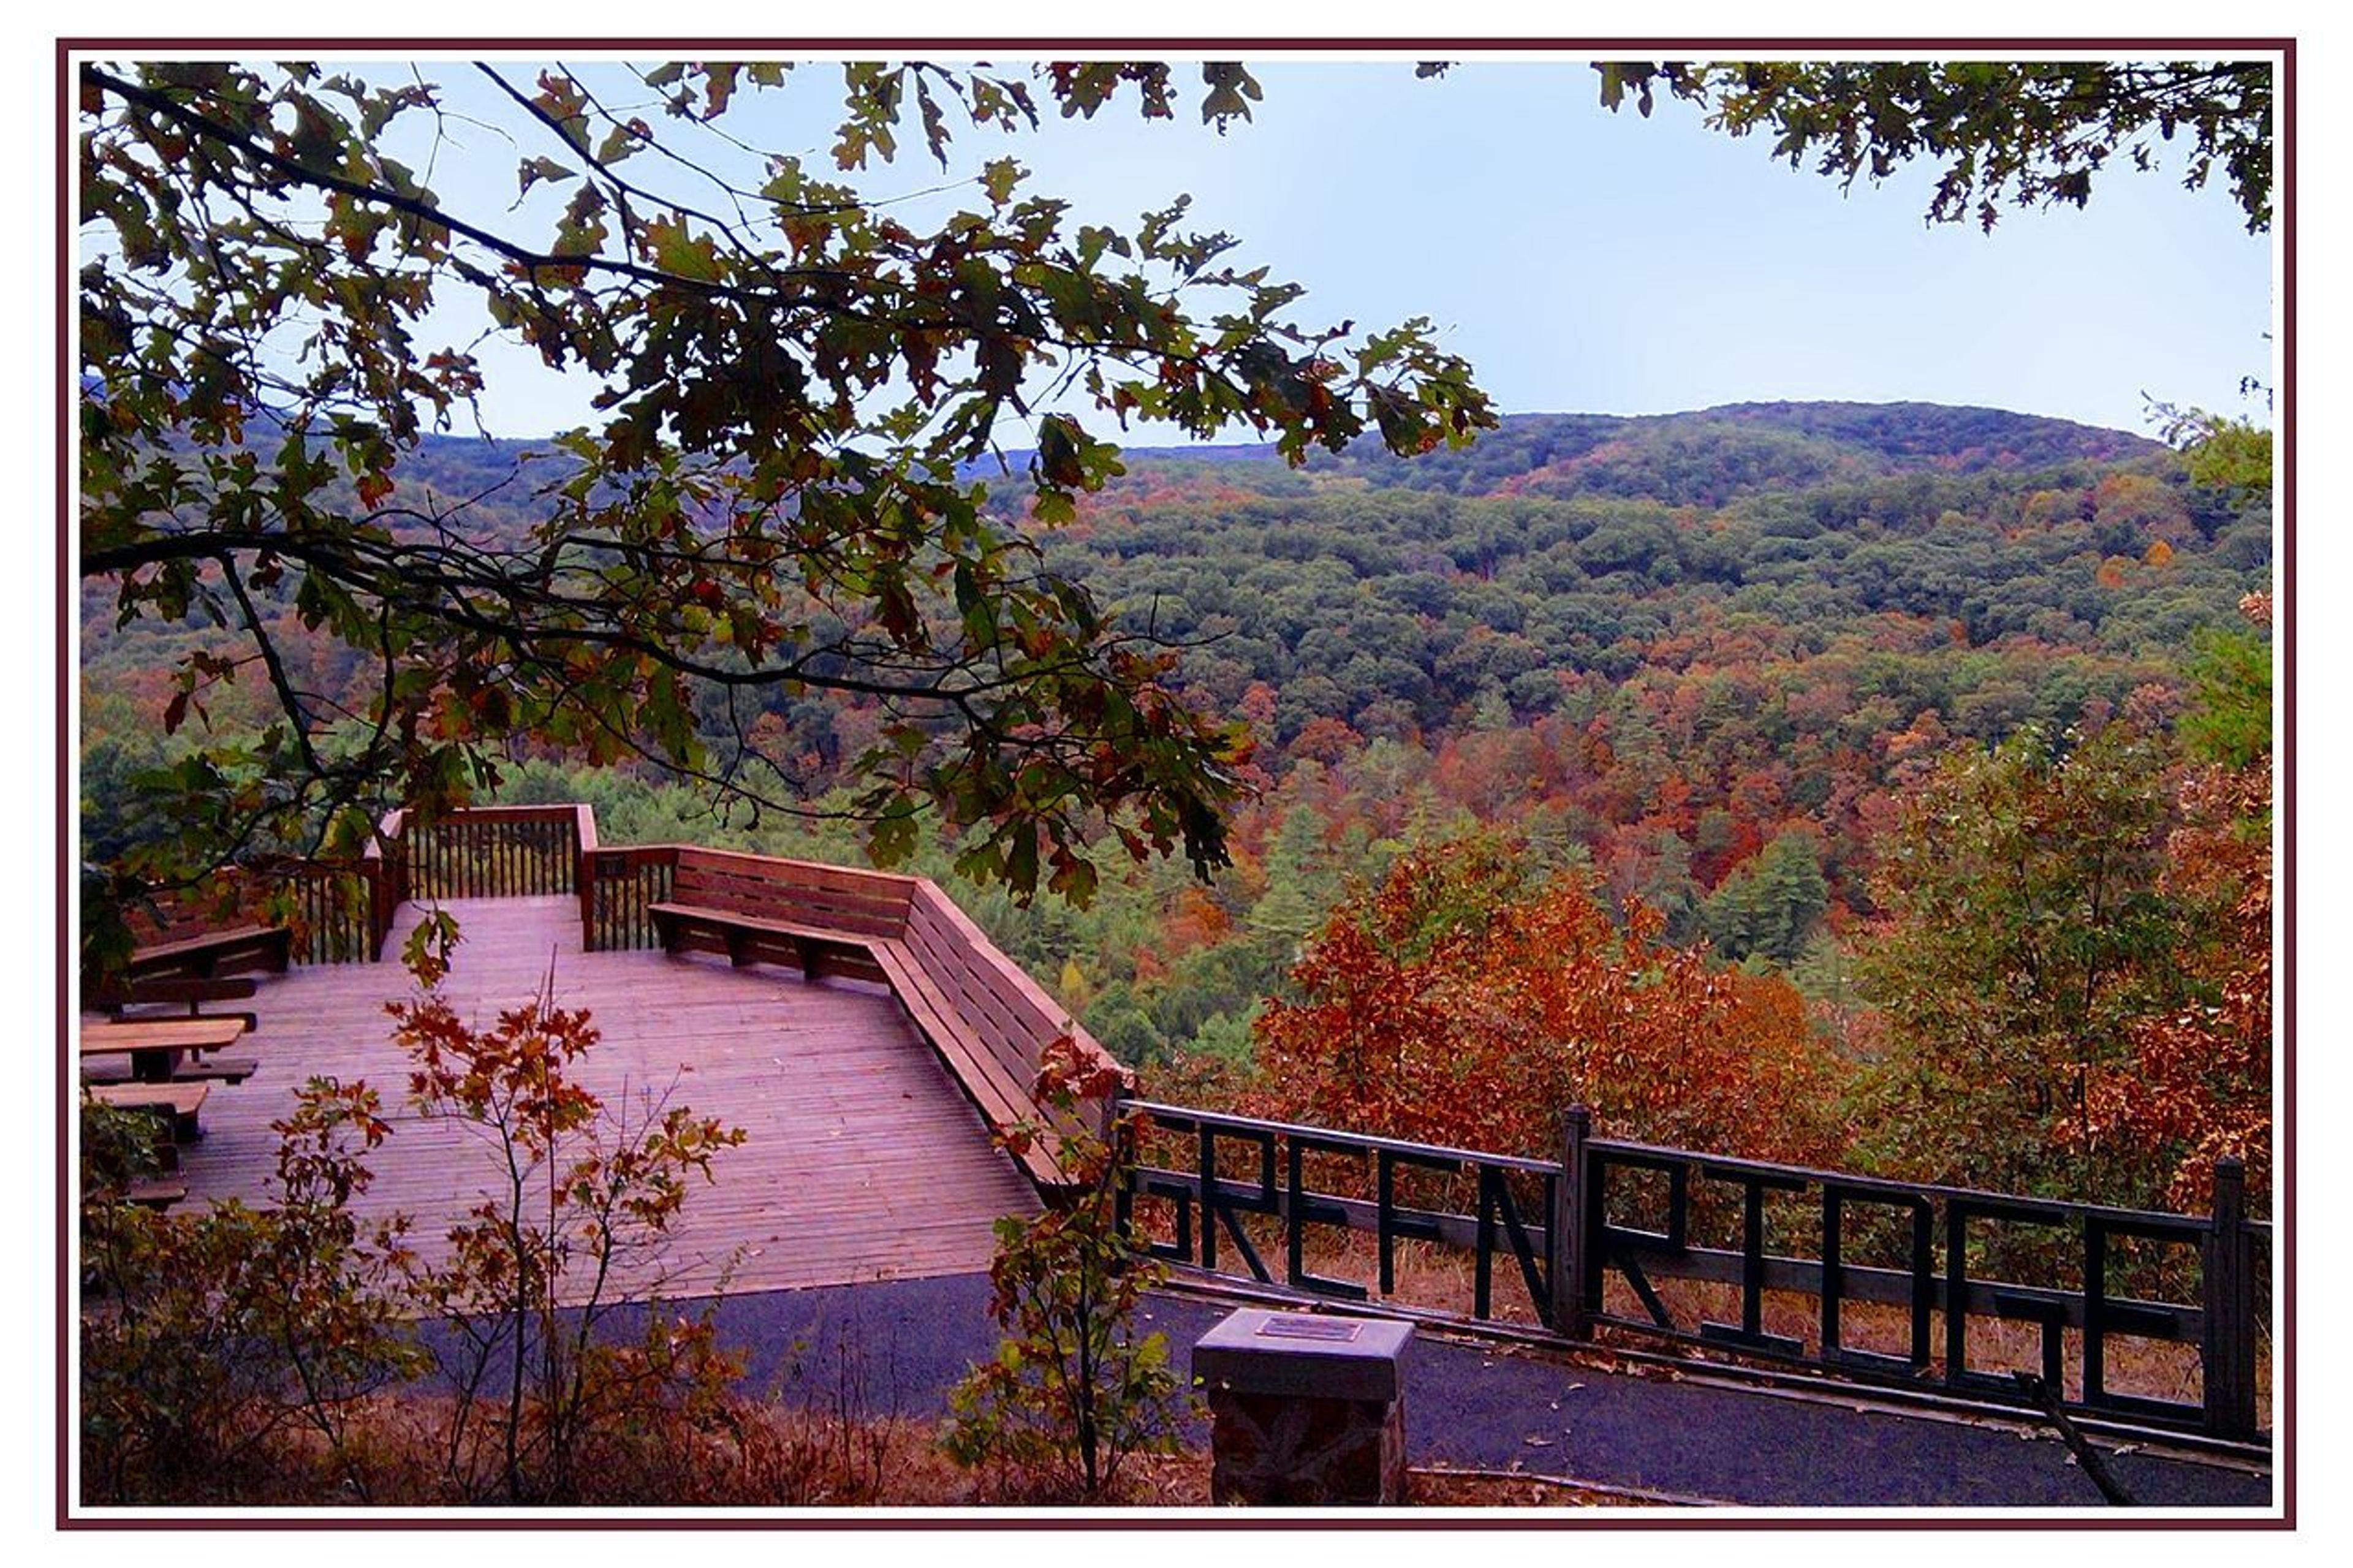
(1470, 997)
(2198, 1084)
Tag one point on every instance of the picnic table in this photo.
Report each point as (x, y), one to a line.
(156, 1046)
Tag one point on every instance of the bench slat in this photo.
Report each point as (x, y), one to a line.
(160, 1034)
(272, 946)
(160, 991)
(181, 1098)
(1015, 1038)
(213, 1070)
(699, 914)
(743, 889)
(125, 1012)
(974, 1067)
(882, 888)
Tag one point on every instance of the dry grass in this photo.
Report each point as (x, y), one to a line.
(754, 1456)
(763, 1456)
(1438, 1487)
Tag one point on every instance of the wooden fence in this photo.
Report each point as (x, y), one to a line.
(617, 886)
(498, 852)
(1557, 1231)
(343, 911)
(341, 916)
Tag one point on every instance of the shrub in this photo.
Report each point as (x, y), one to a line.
(1073, 1391)
(587, 1197)
(208, 1337)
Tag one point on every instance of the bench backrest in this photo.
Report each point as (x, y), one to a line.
(829, 898)
(1009, 1012)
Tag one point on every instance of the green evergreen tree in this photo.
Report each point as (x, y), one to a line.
(1770, 905)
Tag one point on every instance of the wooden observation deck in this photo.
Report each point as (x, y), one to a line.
(867, 1084)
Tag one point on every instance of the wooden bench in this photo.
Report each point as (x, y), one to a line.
(156, 1193)
(755, 909)
(1002, 1099)
(132, 997)
(174, 1114)
(177, 1104)
(752, 939)
(988, 1021)
(986, 1018)
(210, 954)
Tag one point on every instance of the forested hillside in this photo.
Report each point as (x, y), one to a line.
(1712, 662)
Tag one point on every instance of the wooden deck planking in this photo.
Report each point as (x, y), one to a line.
(863, 1160)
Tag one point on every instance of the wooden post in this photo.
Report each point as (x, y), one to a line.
(1107, 1127)
(1569, 1253)
(1120, 1156)
(584, 871)
(2228, 1288)
(584, 883)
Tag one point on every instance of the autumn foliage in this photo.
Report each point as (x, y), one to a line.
(2197, 1084)
(1466, 1002)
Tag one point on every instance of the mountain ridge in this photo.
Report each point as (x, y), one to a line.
(1891, 438)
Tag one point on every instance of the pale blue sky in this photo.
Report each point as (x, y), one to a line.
(1587, 261)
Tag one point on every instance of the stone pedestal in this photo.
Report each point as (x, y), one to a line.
(1305, 1409)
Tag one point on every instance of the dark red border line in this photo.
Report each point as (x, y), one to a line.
(1001, 42)
(67, 602)
(2284, 1396)
(2284, 1392)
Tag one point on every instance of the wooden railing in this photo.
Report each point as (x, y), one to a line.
(340, 914)
(617, 888)
(1500, 1226)
(1640, 1214)
(340, 911)
(343, 911)
(498, 852)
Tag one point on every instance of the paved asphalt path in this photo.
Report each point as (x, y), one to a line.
(896, 1347)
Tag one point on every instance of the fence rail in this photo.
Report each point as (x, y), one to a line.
(618, 887)
(334, 911)
(1639, 1214)
(495, 852)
